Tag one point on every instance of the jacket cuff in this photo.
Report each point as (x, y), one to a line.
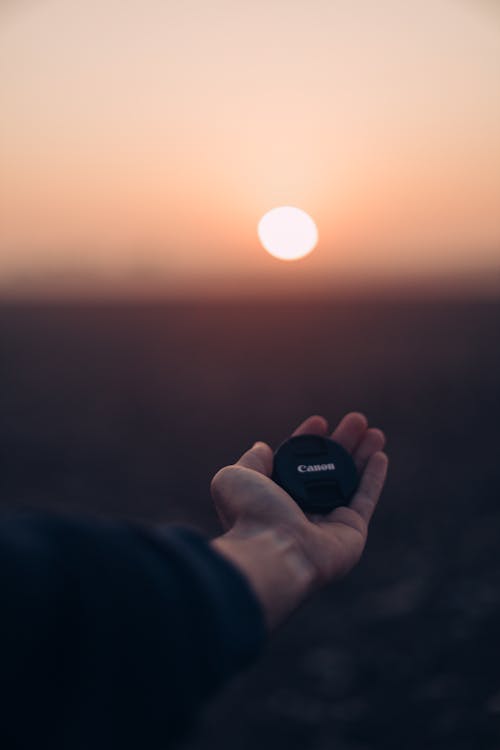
(237, 620)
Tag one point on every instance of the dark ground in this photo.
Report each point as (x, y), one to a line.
(107, 409)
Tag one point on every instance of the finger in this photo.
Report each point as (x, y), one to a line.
(350, 430)
(314, 425)
(372, 441)
(366, 498)
(259, 458)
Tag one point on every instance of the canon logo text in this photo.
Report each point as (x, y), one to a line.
(303, 468)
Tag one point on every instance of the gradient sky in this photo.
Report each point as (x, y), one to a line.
(145, 138)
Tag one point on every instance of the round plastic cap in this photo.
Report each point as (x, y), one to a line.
(318, 473)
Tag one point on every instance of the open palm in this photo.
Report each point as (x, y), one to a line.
(248, 501)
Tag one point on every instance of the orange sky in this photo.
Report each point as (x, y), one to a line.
(145, 138)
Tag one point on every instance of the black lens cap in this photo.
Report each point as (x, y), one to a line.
(318, 473)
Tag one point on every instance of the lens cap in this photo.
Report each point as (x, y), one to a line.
(316, 471)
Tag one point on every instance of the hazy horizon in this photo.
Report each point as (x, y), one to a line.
(147, 286)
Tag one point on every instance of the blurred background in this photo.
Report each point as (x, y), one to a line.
(143, 326)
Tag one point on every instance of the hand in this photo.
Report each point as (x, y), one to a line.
(284, 552)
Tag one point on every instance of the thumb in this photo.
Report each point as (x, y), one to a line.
(259, 458)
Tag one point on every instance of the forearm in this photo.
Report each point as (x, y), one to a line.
(277, 570)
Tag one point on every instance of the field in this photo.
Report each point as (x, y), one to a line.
(126, 410)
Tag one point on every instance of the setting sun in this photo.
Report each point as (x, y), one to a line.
(287, 233)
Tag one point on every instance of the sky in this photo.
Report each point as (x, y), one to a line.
(142, 140)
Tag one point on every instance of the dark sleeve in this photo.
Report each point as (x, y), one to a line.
(112, 634)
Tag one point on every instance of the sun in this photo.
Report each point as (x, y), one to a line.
(287, 233)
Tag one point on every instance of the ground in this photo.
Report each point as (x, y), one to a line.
(127, 410)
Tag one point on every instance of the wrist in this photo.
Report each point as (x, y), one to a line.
(276, 568)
